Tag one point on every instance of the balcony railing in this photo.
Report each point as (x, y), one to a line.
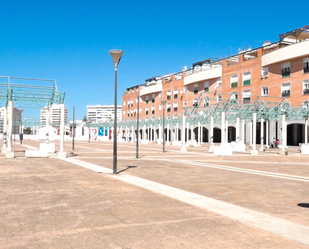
(195, 91)
(285, 72)
(306, 91)
(147, 101)
(246, 100)
(234, 84)
(246, 82)
(286, 93)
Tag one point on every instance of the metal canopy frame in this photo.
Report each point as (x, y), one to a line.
(234, 105)
(29, 92)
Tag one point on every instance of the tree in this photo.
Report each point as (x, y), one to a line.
(85, 119)
(28, 130)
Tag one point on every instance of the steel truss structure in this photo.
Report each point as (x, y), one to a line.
(29, 92)
(234, 105)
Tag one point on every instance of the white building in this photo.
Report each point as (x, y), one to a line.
(103, 113)
(54, 115)
(17, 119)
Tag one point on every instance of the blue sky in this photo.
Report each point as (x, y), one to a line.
(69, 40)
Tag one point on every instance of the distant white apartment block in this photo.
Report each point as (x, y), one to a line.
(17, 119)
(54, 115)
(103, 113)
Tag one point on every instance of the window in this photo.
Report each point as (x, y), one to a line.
(175, 116)
(246, 79)
(147, 99)
(185, 102)
(131, 112)
(132, 90)
(264, 72)
(153, 98)
(131, 102)
(168, 107)
(168, 95)
(195, 102)
(306, 86)
(185, 89)
(285, 69)
(219, 82)
(175, 93)
(234, 81)
(146, 110)
(286, 90)
(137, 88)
(246, 96)
(219, 97)
(140, 110)
(206, 86)
(153, 110)
(206, 101)
(124, 112)
(234, 95)
(168, 79)
(264, 91)
(136, 100)
(160, 107)
(175, 105)
(195, 89)
(160, 95)
(306, 65)
(124, 103)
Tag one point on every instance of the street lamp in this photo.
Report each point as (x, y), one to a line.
(137, 127)
(116, 57)
(163, 103)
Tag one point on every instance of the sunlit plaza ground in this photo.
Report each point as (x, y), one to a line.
(160, 200)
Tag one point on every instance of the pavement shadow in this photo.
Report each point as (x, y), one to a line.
(304, 205)
(128, 167)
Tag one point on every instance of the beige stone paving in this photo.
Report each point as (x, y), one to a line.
(47, 203)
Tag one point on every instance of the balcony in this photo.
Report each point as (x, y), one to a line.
(288, 53)
(286, 93)
(285, 72)
(206, 89)
(246, 100)
(149, 89)
(234, 84)
(247, 82)
(203, 74)
(306, 91)
(147, 101)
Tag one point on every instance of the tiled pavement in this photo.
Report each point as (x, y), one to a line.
(51, 203)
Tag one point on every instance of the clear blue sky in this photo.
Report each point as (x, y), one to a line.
(69, 40)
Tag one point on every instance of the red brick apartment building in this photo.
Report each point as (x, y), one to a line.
(279, 69)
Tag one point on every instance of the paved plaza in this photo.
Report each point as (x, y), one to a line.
(160, 200)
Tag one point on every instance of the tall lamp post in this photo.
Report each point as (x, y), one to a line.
(163, 102)
(137, 127)
(116, 57)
